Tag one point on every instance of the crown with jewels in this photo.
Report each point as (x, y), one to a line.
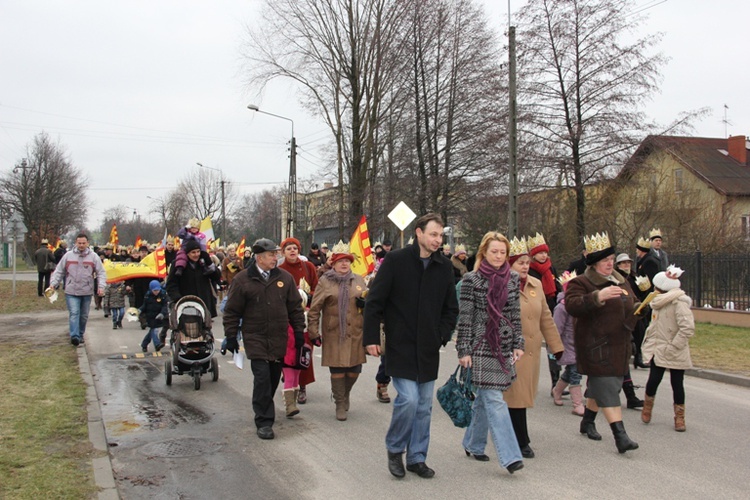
(654, 233)
(518, 247)
(340, 247)
(643, 244)
(567, 276)
(596, 242)
(535, 241)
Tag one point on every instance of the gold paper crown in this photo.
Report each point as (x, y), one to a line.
(518, 247)
(340, 247)
(654, 233)
(460, 248)
(643, 243)
(596, 242)
(567, 276)
(535, 241)
(304, 286)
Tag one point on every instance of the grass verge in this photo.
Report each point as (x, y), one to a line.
(26, 299)
(44, 446)
(723, 348)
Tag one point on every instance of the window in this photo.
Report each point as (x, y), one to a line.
(678, 180)
(746, 227)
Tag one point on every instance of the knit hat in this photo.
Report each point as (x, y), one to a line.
(291, 241)
(154, 285)
(191, 245)
(598, 248)
(668, 280)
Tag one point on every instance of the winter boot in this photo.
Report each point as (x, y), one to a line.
(557, 391)
(623, 442)
(290, 402)
(648, 406)
(382, 393)
(587, 425)
(633, 402)
(338, 389)
(577, 396)
(350, 381)
(679, 418)
(302, 396)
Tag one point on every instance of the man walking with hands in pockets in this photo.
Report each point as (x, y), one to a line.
(414, 295)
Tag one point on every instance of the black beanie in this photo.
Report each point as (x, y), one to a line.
(192, 245)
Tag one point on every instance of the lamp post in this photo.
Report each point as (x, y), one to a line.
(292, 195)
(223, 213)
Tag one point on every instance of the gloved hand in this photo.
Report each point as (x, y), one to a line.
(558, 355)
(210, 269)
(360, 301)
(299, 340)
(232, 346)
(317, 342)
(159, 317)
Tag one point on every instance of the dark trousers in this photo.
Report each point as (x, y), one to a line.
(381, 377)
(676, 378)
(518, 418)
(43, 282)
(266, 376)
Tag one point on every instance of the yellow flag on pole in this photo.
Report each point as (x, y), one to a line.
(359, 246)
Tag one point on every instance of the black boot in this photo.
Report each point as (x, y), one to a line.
(638, 361)
(623, 442)
(588, 427)
(633, 402)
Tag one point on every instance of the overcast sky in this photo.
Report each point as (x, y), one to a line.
(139, 91)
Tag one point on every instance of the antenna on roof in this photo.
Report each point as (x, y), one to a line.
(726, 122)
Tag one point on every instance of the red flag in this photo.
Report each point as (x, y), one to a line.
(138, 242)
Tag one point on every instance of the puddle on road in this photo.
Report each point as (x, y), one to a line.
(130, 403)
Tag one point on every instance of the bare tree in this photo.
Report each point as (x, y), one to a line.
(198, 194)
(258, 215)
(46, 189)
(583, 84)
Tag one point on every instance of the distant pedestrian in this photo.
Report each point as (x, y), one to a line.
(114, 303)
(84, 276)
(45, 264)
(154, 309)
(414, 294)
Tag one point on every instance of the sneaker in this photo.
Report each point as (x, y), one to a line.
(144, 349)
(75, 341)
(159, 347)
(114, 326)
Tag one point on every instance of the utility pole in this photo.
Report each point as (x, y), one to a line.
(223, 213)
(292, 196)
(513, 155)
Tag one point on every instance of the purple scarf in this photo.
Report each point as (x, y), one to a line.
(343, 281)
(497, 296)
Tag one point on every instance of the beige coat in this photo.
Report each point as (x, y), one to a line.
(337, 352)
(672, 324)
(536, 323)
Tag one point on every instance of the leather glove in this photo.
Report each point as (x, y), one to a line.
(360, 301)
(316, 342)
(159, 317)
(231, 346)
(558, 355)
(299, 340)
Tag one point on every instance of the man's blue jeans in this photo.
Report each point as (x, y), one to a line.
(410, 422)
(78, 313)
(490, 413)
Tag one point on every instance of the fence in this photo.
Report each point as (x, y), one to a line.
(720, 281)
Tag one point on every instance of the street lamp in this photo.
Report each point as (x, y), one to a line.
(292, 195)
(223, 213)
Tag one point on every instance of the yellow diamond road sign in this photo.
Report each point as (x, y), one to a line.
(402, 216)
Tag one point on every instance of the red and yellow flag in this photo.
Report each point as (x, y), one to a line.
(359, 246)
(138, 242)
(241, 247)
(154, 265)
(113, 238)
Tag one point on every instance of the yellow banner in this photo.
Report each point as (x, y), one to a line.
(152, 266)
(359, 246)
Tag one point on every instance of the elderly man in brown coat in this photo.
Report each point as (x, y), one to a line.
(266, 299)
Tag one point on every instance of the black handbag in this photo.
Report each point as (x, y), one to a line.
(456, 397)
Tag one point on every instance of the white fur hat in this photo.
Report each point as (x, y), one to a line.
(666, 281)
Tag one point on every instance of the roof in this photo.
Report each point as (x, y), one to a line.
(707, 158)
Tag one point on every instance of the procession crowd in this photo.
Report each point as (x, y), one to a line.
(500, 305)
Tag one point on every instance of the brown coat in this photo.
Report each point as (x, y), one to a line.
(536, 322)
(603, 329)
(337, 352)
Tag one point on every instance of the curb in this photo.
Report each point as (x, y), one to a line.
(717, 376)
(103, 475)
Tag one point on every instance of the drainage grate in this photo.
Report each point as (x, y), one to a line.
(180, 448)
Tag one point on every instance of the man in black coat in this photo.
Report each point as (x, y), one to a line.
(414, 295)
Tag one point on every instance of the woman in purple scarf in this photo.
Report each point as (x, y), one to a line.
(339, 301)
(490, 342)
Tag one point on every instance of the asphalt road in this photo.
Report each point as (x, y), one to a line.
(176, 442)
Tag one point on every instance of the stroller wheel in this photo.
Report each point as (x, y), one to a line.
(215, 369)
(168, 371)
(197, 379)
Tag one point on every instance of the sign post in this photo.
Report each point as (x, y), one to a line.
(402, 216)
(17, 228)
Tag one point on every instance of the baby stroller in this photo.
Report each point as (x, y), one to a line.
(192, 342)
